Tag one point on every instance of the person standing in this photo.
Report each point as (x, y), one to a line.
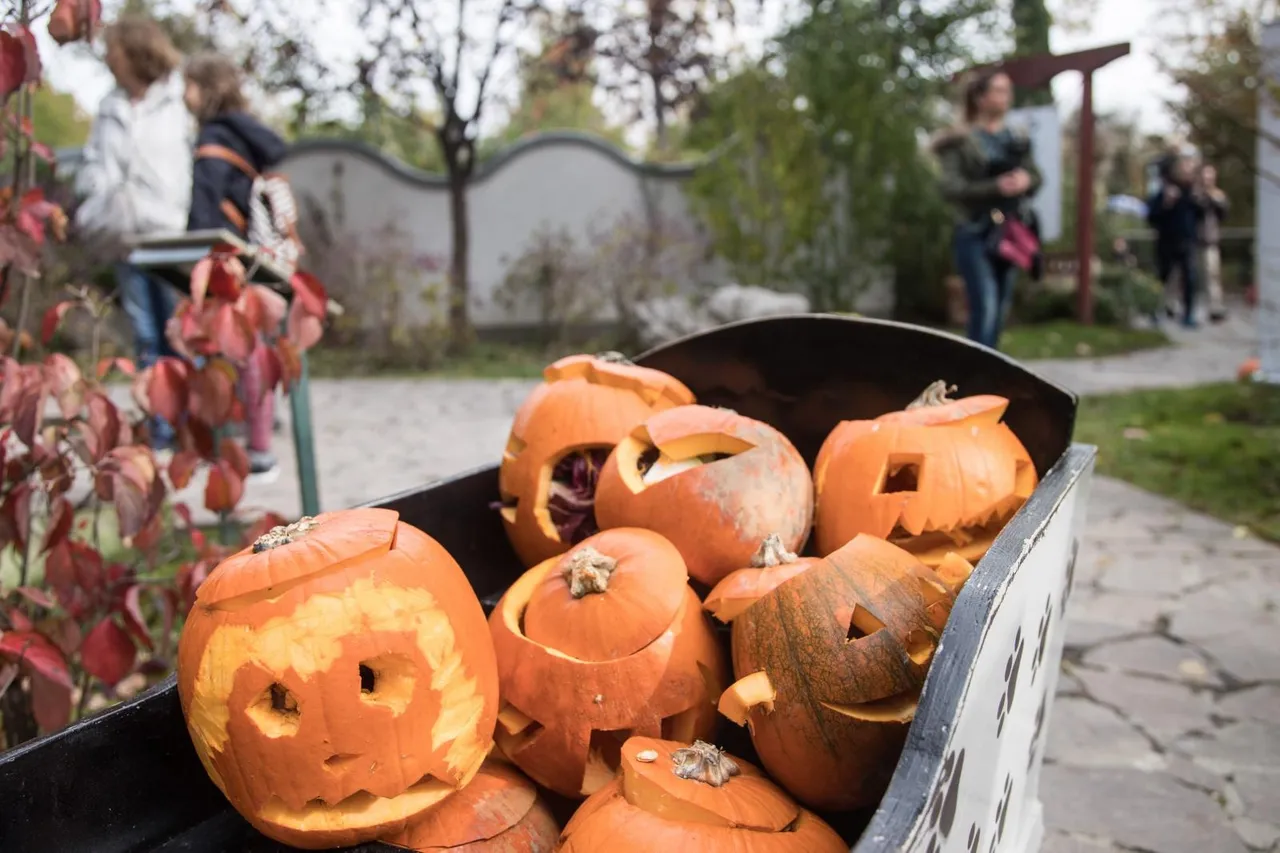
(232, 148)
(1215, 205)
(135, 180)
(1175, 212)
(989, 176)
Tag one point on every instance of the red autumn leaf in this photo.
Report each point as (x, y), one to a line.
(196, 437)
(107, 653)
(290, 362)
(133, 462)
(59, 524)
(38, 597)
(35, 653)
(213, 392)
(226, 278)
(304, 330)
(103, 425)
(18, 620)
(73, 20)
(182, 467)
(42, 151)
(52, 318)
(200, 280)
(29, 413)
(265, 308)
(190, 577)
(62, 378)
(17, 513)
(229, 450)
(224, 489)
(233, 334)
(124, 365)
(167, 389)
(151, 533)
(50, 702)
(132, 506)
(19, 60)
(135, 621)
(270, 373)
(308, 291)
(34, 210)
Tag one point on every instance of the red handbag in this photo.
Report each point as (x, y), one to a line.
(1017, 244)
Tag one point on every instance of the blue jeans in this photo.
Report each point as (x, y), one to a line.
(149, 303)
(988, 283)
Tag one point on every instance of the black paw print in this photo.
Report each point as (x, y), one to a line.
(1039, 729)
(1046, 619)
(942, 808)
(1002, 812)
(975, 838)
(1071, 577)
(1011, 667)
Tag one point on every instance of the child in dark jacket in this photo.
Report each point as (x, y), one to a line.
(230, 145)
(1175, 212)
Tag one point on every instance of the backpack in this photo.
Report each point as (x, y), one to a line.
(272, 225)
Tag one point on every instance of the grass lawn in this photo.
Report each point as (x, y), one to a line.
(1068, 339)
(484, 361)
(1215, 448)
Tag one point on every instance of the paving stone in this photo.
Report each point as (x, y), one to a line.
(1086, 734)
(1254, 703)
(1163, 709)
(1259, 792)
(1163, 571)
(1157, 656)
(1235, 747)
(1148, 811)
(1190, 773)
(1093, 617)
(1061, 842)
(1257, 834)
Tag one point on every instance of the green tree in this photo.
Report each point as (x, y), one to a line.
(59, 121)
(1031, 25)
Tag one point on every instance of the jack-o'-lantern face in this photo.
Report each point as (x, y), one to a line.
(559, 440)
(941, 478)
(341, 683)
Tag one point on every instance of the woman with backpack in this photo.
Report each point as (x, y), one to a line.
(232, 149)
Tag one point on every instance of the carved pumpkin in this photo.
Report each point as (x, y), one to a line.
(771, 566)
(675, 797)
(942, 476)
(561, 436)
(498, 812)
(337, 678)
(601, 643)
(831, 665)
(712, 481)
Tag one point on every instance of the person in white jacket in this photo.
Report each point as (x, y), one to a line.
(135, 179)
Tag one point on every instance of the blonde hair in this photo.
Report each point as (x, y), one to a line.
(218, 80)
(146, 48)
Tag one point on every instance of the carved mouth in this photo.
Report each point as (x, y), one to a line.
(969, 541)
(642, 463)
(361, 809)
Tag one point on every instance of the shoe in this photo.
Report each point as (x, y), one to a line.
(1190, 323)
(263, 466)
(1170, 312)
(1217, 316)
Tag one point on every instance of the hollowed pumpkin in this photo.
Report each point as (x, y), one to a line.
(601, 643)
(712, 481)
(499, 811)
(561, 435)
(676, 797)
(942, 476)
(771, 566)
(337, 679)
(830, 668)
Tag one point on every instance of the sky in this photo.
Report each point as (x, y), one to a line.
(1133, 85)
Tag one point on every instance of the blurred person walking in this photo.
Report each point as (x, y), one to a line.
(1175, 212)
(1215, 205)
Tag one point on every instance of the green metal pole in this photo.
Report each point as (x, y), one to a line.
(304, 441)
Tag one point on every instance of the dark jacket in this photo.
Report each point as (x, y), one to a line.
(1177, 224)
(968, 178)
(214, 180)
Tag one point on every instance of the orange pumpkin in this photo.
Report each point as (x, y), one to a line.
(561, 435)
(594, 646)
(337, 678)
(942, 476)
(498, 812)
(772, 566)
(681, 798)
(830, 668)
(713, 482)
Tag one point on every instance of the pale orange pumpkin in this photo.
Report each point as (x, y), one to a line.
(601, 643)
(712, 481)
(830, 667)
(499, 811)
(561, 435)
(942, 476)
(693, 798)
(337, 678)
(771, 566)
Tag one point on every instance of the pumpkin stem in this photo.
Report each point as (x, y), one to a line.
(285, 534)
(614, 357)
(704, 763)
(772, 553)
(588, 571)
(934, 395)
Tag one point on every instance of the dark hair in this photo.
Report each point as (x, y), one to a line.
(148, 51)
(977, 88)
(218, 80)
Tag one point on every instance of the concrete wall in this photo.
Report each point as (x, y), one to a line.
(1267, 244)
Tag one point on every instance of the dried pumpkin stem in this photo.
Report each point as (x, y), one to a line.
(588, 571)
(285, 534)
(772, 553)
(614, 357)
(704, 763)
(934, 395)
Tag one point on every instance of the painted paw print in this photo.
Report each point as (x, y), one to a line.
(1071, 577)
(1039, 729)
(1011, 667)
(975, 838)
(1002, 812)
(1046, 619)
(942, 808)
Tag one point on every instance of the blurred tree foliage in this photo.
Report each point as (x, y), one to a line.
(58, 119)
(1031, 25)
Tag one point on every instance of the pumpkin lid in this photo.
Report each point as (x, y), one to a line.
(700, 783)
(933, 406)
(495, 800)
(615, 370)
(609, 596)
(291, 553)
(771, 567)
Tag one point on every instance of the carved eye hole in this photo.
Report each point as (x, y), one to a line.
(862, 623)
(388, 681)
(901, 474)
(275, 712)
(367, 679)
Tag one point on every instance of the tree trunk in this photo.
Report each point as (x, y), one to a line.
(459, 158)
(659, 111)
